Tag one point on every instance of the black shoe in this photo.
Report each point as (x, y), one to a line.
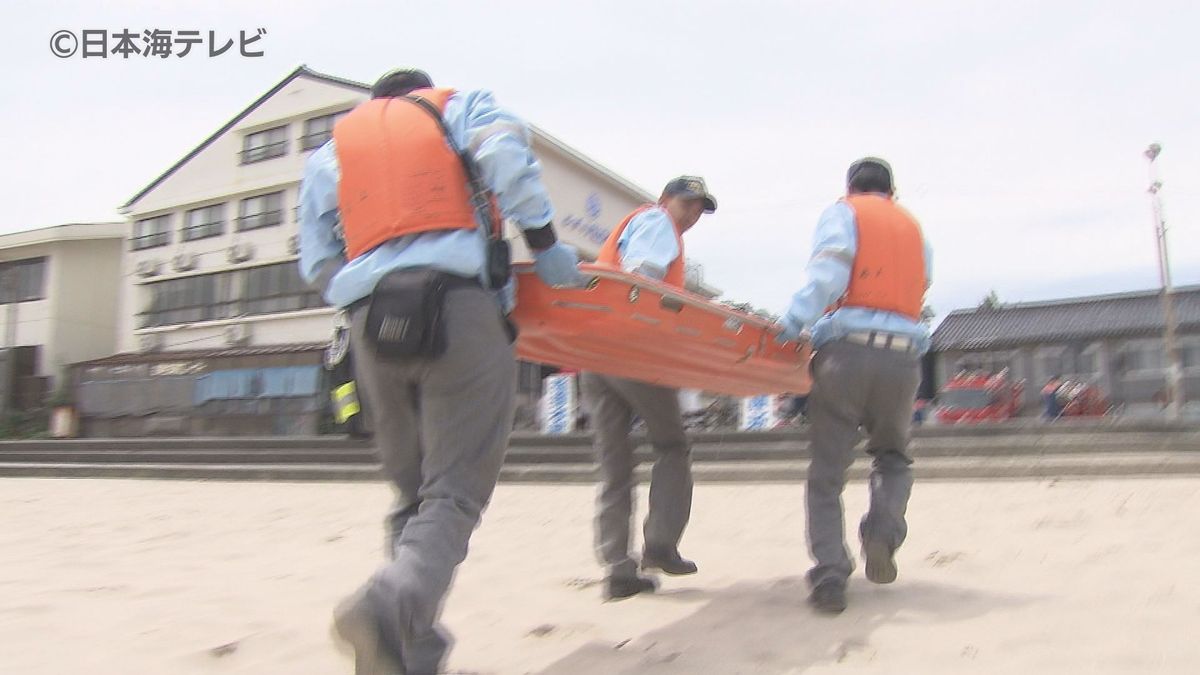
(618, 588)
(829, 597)
(670, 563)
(881, 565)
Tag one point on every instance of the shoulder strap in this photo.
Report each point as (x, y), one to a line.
(480, 194)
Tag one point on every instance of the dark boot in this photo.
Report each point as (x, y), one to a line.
(670, 562)
(618, 588)
(829, 597)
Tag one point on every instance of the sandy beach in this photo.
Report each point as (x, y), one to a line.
(113, 576)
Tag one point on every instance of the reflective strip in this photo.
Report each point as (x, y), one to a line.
(343, 391)
(485, 134)
(900, 343)
(836, 254)
(345, 402)
(346, 412)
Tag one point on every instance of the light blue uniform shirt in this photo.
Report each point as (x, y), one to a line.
(499, 142)
(648, 245)
(834, 245)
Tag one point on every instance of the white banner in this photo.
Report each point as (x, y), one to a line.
(690, 400)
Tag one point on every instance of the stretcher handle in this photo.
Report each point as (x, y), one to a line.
(671, 304)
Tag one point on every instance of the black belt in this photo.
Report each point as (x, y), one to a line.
(452, 282)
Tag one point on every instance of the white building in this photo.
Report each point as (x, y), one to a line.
(213, 243)
(58, 289)
(212, 282)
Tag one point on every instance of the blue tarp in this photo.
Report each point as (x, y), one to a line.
(248, 383)
(291, 381)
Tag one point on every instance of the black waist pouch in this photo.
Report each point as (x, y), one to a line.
(404, 319)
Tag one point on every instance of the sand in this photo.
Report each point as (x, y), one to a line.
(112, 576)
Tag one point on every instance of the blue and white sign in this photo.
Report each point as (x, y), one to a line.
(592, 205)
(758, 413)
(587, 226)
(559, 405)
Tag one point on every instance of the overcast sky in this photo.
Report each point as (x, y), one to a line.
(1016, 129)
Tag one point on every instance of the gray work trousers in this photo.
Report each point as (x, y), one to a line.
(612, 403)
(853, 386)
(441, 430)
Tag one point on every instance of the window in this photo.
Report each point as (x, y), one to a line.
(276, 288)
(266, 289)
(966, 399)
(151, 232)
(260, 211)
(1145, 357)
(318, 130)
(204, 222)
(23, 280)
(990, 362)
(1052, 365)
(998, 362)
(264, 145)
(1088, 362)
(1190, 355)
(1054, 361)
(1155, 357)
(1134, 359)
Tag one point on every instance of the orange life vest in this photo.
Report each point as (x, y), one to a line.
(398, 174)
(889, 264)
(610, 253)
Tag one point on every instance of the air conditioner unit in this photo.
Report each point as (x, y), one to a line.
(149, 268)
(237, 334)
(293, 245)
(150, 342)
(184, 262)
(240, 253)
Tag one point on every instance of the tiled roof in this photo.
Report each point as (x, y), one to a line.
(196, 354)
(1123, 315)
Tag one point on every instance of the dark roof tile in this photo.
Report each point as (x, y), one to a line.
(1123, 315)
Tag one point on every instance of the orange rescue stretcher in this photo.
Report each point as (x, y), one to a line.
(634, 327)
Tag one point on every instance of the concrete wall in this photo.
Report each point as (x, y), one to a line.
(306, 326)
(77, 319)
(29, 323)
(86, 276)
(587, 207)
(1108, 363)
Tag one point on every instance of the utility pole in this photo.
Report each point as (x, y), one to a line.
(1174, 363)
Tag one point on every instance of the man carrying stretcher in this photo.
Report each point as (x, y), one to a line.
(648, 242)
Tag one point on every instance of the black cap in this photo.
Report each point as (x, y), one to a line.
(870, 174)
(400, 82)
(692, 187)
